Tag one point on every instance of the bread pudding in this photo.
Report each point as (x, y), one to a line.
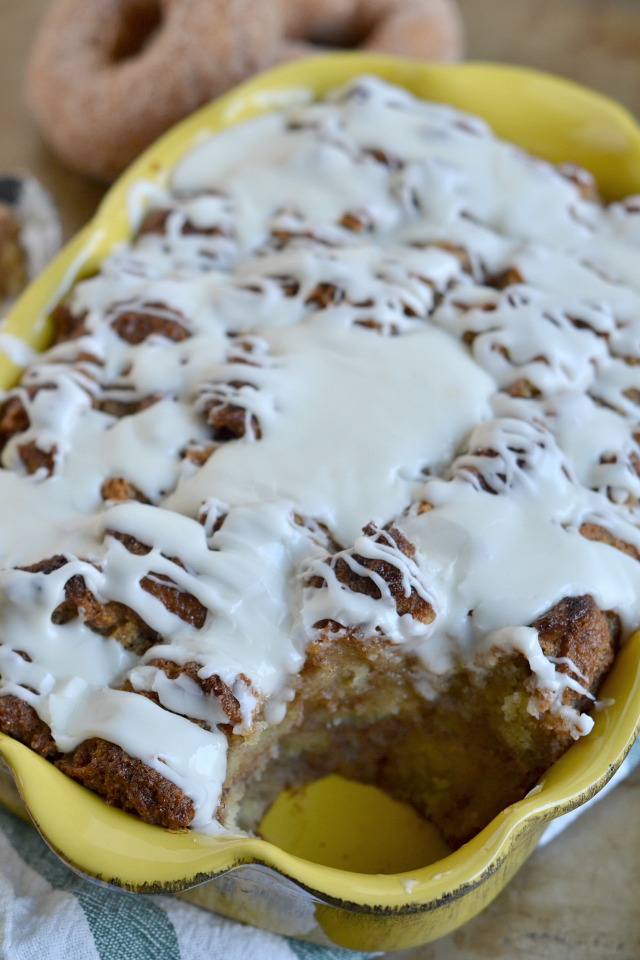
(333, 467)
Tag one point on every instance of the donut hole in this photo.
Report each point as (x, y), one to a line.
(345, 32)
(347, 38)
(139, 22)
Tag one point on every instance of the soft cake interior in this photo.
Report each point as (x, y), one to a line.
(458, 757)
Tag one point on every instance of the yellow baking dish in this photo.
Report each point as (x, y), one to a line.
(320, 879)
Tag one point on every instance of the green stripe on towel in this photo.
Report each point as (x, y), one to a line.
(310, 951)
(122, 924)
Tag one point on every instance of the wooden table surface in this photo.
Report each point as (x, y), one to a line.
(578, 898)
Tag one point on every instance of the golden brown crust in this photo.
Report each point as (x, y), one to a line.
(128, 783)
(67, 325)
(36, 458)
(230, 421)
(136, 326)
(48, 565)
(13, 418)
(595, 531)
(111, 619)
(13, 260)
(19, 720)
(156, 222)
(407, 602)
(119, 488)
(124, 408)
(584, 637)
(103, 767)
(183, 605)
(212, 685)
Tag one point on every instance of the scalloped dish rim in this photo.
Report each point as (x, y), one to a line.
(545, 114)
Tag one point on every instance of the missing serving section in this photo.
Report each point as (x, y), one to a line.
(332, 468)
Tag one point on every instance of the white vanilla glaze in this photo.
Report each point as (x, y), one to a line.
(334, 269)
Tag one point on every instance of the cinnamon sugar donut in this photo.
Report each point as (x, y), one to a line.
(107, 77)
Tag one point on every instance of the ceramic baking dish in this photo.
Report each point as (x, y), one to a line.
(360, 885)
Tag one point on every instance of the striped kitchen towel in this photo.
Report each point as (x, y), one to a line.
(47, 912)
